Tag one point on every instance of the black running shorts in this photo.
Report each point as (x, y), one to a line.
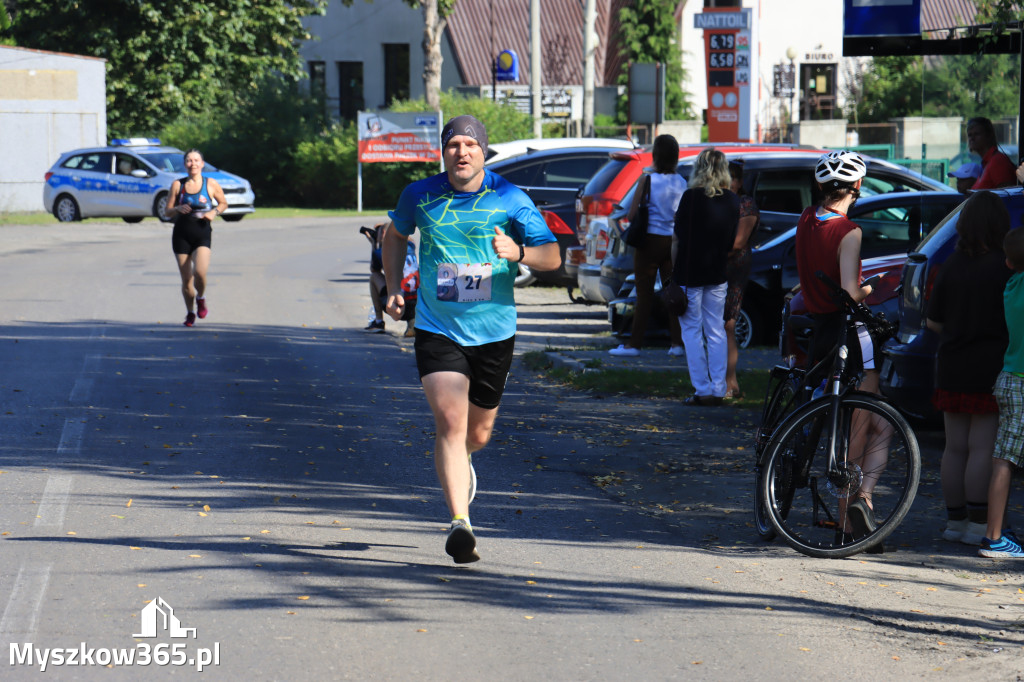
(486, 366)
(189, 234)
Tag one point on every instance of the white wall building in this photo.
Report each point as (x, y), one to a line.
(368, 53)
(49, 103)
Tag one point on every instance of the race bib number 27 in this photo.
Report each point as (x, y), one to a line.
(464, 282)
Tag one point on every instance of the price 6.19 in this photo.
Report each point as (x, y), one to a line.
(723, 41)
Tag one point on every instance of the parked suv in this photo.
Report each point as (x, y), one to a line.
(552, 177)
(908, 371)
(129, 179)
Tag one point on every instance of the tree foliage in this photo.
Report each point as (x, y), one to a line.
(648, 34)
(964, 85)
(169, 58)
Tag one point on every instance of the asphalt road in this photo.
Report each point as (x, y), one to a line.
(267, 475)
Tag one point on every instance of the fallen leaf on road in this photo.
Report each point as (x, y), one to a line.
(129, 502)
(303, 598)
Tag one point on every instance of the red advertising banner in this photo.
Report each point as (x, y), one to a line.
(392, 137)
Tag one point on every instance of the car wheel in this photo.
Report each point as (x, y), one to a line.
(233, 218)
(748, 328)
(159, 206)
(133, 219)
(65, 209)
(525, 277)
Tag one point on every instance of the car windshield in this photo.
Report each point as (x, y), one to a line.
(171, 162)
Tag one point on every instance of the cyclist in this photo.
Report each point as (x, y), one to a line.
(829, 242)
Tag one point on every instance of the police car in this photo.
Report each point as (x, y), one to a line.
(130, 179)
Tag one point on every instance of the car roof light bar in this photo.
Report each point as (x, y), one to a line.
(135, 142)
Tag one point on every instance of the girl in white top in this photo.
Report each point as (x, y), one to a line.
(654, 256)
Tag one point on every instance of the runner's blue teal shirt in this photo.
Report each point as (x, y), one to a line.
(457, 228)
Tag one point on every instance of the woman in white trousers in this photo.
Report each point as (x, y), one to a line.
(705, 229)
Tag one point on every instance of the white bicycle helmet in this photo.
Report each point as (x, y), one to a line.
(841, 167)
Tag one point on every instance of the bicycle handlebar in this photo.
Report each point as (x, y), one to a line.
(879, 324)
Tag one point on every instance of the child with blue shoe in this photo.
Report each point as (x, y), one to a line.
(1009, 393)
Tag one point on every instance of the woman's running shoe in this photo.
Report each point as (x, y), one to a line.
(201, 309)
(190, 319)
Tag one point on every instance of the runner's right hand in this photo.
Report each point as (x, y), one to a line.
(395, 306)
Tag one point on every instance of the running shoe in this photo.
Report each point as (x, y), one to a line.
(677, 351)
(375, 326)
(461, 544)
(190, 319)
(1003, 548)
(472, 480)
(624, 352)
(201, 310)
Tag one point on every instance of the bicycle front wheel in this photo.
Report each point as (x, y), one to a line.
(781, 402)
(877, 455)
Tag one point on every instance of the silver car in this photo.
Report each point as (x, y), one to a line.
(129, 179)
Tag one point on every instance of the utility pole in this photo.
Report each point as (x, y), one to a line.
(589, 48)
(535, 67)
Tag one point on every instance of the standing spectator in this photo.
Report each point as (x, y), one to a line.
(193, 202)
(966, 175)
(474, 228)
(738, 272)
(705, 227)
(1009, 392)
(654, 256)
(966, 311)
(997, 170)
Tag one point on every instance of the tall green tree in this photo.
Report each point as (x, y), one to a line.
(648, 34)
(165, 58)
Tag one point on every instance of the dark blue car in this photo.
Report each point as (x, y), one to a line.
(908, 372)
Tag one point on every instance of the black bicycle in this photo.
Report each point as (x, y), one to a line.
(837, 473)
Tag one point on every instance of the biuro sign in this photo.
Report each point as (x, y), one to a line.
(727, 56)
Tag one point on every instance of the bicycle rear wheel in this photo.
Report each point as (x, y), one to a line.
(876, 452)
(781, 402)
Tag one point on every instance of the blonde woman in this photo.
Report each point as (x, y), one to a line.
(705, 228)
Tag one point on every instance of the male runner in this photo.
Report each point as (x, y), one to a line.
(475, 227)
